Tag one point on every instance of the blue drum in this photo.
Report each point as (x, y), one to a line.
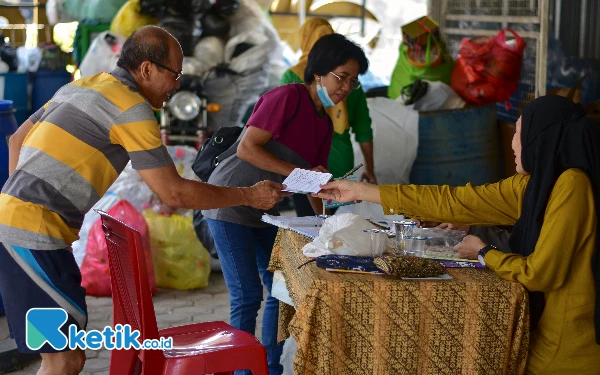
(8, 125)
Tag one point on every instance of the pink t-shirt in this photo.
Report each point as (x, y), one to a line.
(308, 134)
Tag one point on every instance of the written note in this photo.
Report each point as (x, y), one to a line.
(304, 181)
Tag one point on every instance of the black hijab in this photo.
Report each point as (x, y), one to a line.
(556, 135)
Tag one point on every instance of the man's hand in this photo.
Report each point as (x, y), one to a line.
(266, 194)
(469, 247)
(368, 176)
(341, 191)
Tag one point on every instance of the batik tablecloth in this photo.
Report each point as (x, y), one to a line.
(347, 323)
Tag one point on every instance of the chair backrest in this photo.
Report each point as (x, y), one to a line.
(129, 277)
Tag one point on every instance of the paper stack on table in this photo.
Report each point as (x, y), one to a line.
(305, 225)
(303, 181)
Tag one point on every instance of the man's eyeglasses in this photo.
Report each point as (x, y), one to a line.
(176, 74)
(354, 84)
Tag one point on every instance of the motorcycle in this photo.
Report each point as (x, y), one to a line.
(184, 118)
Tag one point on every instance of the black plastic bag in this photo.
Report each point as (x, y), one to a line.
(179, 8)
(201, 6)
(213, 24)
(227, 7)
(181, 28)
(9, 55)
(155, 8)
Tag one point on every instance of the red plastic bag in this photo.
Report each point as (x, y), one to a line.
(488, 69)
(95, 271)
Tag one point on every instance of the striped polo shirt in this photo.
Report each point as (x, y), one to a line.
(81, 141)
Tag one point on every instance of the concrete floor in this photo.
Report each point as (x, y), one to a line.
(173, 308)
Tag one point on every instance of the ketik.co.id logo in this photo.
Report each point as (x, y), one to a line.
(43, 325)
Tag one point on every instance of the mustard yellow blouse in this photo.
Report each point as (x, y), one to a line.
(564, 342)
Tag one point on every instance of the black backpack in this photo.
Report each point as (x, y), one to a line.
(218, 147)
(207, 158)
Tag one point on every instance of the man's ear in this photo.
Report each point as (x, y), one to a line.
(145, 70)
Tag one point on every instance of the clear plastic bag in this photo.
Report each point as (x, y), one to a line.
(345, 235)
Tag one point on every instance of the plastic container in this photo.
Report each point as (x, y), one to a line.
(15, 89)
(8, 125)
(45, 85)
(414, 246)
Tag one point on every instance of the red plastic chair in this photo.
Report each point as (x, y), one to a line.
(202, 348)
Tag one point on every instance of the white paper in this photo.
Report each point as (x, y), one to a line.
(306, 225)
(304, 181)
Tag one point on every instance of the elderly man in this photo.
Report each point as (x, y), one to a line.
(64, 158)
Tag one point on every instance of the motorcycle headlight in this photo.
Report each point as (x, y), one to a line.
(185, 105)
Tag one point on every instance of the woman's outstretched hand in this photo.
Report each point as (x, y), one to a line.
(341, 191)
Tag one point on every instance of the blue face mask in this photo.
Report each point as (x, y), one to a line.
(324, 96)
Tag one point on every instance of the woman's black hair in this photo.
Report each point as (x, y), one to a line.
(331, 51)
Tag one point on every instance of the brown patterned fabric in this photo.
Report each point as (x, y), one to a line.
(406, 266)
(348, 323)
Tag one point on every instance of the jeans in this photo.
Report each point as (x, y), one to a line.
(244, 253)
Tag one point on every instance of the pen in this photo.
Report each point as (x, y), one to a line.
(351, 171)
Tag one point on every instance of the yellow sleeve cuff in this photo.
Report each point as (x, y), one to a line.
(390, 199)
(492, 258)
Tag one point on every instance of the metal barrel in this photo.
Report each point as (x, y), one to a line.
(457, 147)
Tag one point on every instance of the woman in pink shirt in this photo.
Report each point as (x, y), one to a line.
(288, 129)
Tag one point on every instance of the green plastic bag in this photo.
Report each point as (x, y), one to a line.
(180, 260)
(101, 11)
(405, 73)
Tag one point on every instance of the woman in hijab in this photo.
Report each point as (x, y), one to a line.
(553, 203)
(350, 114)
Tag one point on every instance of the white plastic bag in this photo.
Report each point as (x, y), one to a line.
(210, 50)
(344, 235)
(29, 59)
(439, 96)
(194, 66)
(235, 94)
(249, 17)
(56, 13)
(290, 347)
(103, 54)
(105, 203)
(395, 138)
(183, 158)
(254, 57)
(131, 187)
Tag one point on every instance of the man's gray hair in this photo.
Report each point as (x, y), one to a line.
(150, 43)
